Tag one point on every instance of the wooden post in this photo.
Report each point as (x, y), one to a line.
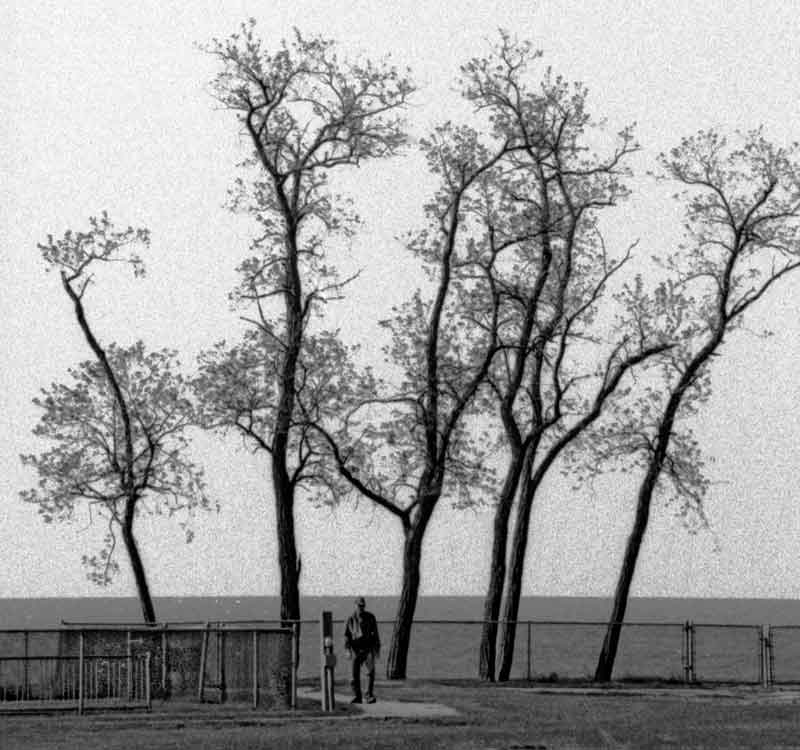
(147, 699)
(770, 656)
(80, 672)
(163, 662)
(255, 669)
(26, 687)
(295, 662)
(203, 657)
(765, 642)
(223, 687)
(129, 665)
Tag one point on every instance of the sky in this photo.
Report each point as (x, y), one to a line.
(105, 106)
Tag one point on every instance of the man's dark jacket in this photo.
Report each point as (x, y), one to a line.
(361, 633)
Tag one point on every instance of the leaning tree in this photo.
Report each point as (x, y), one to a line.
(116, 429)
(306, 112)
(553, 373)
(742, 199)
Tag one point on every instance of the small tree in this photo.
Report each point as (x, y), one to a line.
(305, 112)
(743, 235)
(117, 428)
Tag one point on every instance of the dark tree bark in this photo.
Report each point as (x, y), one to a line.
(532, 477)
(397, 659)
(307, 111)
(497, 571)
(128, 478)
(516, 570)
(139, 575)
(608, 653)
(743, 221)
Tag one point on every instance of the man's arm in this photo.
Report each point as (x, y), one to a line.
(348, 637)
(377, 637)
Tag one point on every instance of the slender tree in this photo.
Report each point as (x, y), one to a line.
(742, 235)
(305, 112)
(117, 428)
(407, 444)
(550, 283)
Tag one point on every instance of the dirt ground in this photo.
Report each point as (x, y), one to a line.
(458, 716)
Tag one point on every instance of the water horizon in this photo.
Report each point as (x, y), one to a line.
(33, 612)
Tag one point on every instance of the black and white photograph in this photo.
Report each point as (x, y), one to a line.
(400, 375)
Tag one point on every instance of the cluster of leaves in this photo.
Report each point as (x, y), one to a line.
(75, 251)
(86, 465)
(742, 234)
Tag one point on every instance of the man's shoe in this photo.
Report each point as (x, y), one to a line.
(357, 699)
(370, 699)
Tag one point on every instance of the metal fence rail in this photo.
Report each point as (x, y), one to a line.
(254, 661)
(547, 650)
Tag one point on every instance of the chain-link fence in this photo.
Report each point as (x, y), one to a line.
(259, 663)
(555, 651)
(217, 663)
(79, 682)
(728, 653)
(784, 654)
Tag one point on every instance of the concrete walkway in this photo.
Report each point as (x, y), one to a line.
(384, 709)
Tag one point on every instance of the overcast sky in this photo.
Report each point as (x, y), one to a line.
(105, 106)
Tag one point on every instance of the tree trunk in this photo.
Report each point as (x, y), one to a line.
(287, 549)
(515, 573)
(397, 660)
(139, 576)
(605, 664)
(497, 571)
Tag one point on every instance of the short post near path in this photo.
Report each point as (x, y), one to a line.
(328, 661)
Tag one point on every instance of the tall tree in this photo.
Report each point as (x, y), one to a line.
(551, 284)
(405, 445)
(117, 428)
(305, 112)
(742, 235)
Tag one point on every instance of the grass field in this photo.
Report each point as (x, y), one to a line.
(496, 717)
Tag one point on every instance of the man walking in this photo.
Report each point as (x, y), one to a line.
(363, 645)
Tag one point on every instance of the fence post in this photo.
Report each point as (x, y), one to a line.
(147, 697)
(528, 670)
(692, 673)
(685, 653)
(255, 669)
(129, 664)
(223, 681)
(163, 662)
(203, 659)
(766, 656)
(80, 672)
(295, 662)
(771, 659)
(26, 687)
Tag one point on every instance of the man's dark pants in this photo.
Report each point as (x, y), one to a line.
(367, 658)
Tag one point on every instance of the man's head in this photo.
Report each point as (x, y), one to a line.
(360, 604)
